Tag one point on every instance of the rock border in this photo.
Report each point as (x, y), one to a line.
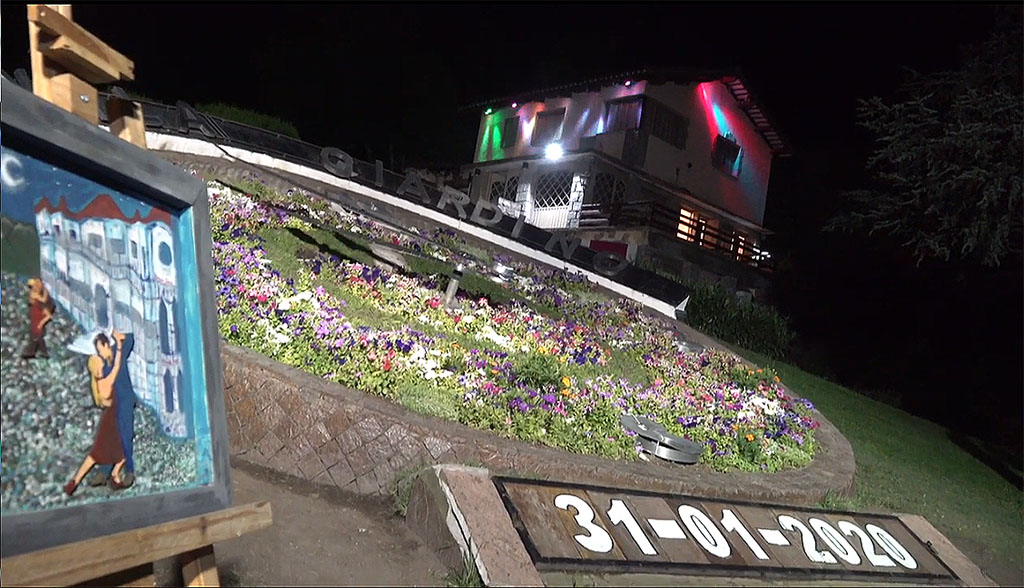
(293, 422)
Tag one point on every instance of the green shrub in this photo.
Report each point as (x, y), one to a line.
(717, 312)
(539, 370)
(750, 325)
(250, 117)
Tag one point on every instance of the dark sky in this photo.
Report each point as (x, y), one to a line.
(354, 75)
(364, 77)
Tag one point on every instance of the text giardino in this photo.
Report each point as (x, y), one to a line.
(483, 213)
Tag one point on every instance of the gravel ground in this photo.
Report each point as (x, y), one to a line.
(49, 420)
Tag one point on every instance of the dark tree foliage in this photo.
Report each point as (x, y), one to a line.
(947, 169)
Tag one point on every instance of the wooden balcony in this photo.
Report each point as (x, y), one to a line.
(667, 220)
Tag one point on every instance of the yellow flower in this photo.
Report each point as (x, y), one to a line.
(750, 437)
(542, 350)
(566, 382)
(777, 379)
(565, 392)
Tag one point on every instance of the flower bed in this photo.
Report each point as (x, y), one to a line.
(560, 377)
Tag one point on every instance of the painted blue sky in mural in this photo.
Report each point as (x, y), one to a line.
(26, 180)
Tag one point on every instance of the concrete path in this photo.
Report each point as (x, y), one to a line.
(322, 536)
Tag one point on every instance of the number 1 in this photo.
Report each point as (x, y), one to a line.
(731, 523)
(619, 514)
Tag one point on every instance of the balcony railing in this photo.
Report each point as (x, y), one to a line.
(667, 219)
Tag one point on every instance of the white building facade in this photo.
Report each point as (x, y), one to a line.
(668, 150)
(112, 272)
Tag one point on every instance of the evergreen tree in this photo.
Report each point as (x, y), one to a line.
(947, 170)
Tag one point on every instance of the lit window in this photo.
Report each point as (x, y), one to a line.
(547, 128)
(687, 229)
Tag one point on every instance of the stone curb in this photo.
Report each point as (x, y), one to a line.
(293, 422)
(458, 512)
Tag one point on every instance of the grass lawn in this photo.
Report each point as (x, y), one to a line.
(907, 464)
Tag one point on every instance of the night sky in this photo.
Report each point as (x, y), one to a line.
(363, 78)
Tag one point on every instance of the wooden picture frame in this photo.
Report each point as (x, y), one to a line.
(45, 133)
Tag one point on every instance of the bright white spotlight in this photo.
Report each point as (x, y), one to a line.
(553, 151)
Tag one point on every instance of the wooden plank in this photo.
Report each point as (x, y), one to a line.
(864, 565)
(684, 550)
(67, 91)
(199, 567)
(62, 9)
(573, 528)
(76, 58)
(40, 72)
(85, 560)
(52, 22)
(741, 553)
(625, 543)
(786, 556)
(126, 120)
(137, 577)
(966, 570)
(796, 540)
(927, 563)
(544, 528)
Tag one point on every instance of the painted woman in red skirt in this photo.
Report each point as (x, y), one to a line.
(106, 450)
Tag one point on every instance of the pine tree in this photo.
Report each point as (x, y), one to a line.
(947, 170)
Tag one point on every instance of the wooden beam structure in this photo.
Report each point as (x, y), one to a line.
(190, 539)
(67, 61)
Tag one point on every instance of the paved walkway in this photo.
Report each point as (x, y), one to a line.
(323, 537)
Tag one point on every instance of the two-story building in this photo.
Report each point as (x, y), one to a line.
(667, 166)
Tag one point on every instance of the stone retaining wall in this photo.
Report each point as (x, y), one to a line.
(295, 423)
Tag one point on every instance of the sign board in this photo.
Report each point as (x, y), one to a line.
(112, 407)
(590, 528)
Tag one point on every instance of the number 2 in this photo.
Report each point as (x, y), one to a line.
(810, 545)
(598, 540)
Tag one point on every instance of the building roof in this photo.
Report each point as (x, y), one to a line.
(731, 78)
(101, 208)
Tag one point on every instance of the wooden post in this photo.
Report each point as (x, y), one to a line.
(68, 60)
(199, 568)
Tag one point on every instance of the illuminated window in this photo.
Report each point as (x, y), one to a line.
(687, 229)
(725, 155)
(623, 115)
(547, 128)
(510, 132)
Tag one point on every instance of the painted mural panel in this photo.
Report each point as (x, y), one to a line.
(103, 391)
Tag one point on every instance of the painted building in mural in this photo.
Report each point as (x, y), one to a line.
(637, 161)
(112, 272)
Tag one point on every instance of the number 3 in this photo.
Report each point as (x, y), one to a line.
(599, 540)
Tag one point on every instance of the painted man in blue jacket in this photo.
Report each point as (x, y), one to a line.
(124, 392)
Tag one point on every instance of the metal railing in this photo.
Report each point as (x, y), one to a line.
(667, 219)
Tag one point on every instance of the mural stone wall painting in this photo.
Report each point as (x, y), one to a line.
(104, 394)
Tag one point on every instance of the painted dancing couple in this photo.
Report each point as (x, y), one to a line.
(112, 390)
